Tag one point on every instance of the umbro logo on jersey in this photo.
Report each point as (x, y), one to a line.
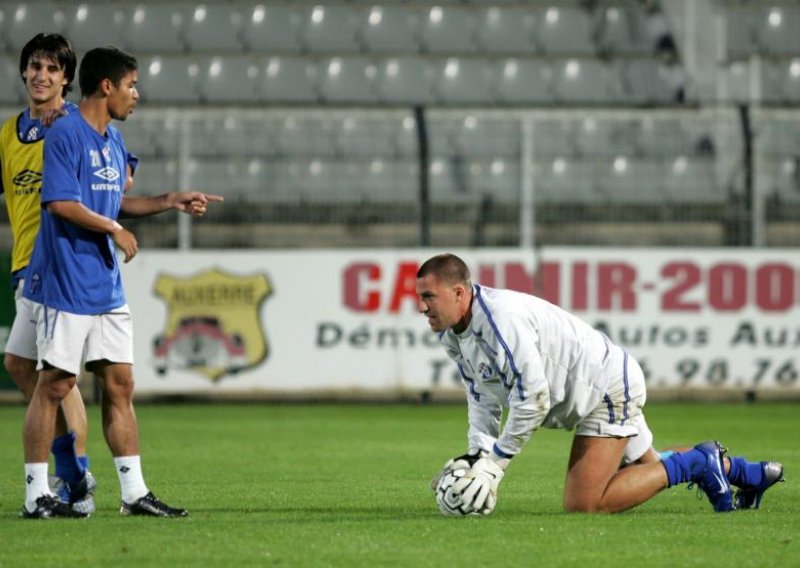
(27, 177)
(107, 173)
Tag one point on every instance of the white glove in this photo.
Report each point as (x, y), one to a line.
(478, 488)
(460, 462)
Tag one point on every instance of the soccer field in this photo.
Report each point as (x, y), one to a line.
(347, 485)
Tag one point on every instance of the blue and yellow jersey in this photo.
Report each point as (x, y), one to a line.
(21, 162)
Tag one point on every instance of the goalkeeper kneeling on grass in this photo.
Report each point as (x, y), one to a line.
(550, 369)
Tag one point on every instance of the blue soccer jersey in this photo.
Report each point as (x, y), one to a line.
(75, 269)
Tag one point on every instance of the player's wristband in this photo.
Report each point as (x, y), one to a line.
(500, 457)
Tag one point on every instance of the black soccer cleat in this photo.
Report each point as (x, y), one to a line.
(750, 497)
(49, 507)
(151, 506)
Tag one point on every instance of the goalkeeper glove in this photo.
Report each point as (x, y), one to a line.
(460, 462)
(478, 488)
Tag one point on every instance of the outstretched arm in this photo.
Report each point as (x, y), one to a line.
(193, 202)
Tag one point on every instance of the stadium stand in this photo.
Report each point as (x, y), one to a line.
(299, 103)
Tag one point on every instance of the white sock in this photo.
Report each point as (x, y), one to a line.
(131, 482)
(35, 484)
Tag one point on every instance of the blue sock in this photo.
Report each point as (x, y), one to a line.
(744, 473)
(683, 466)
(68, 467)
(84, 461)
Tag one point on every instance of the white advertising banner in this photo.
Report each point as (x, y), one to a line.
(290, 322)
(316, 322)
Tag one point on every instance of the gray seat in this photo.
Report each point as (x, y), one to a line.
(740, 30)
(448, 30)
(306, 137)
(230, 79)
(776, 29)
(389, 28)
(23, 20)
(639, 182)
(692, 181)
(360, 137)
(289, 79)
(214, 28)
(567, 181)
(465, 81)
(507, 31)
(622, 30)
(554, 139)
(497, 181)
(395, 181)
(565, 30)
(782, 179)
(780, 81)
(488, 138)
(347, 80)
(587, 81)
(155, 176)
(331, 28)
(93, 25)
(169, 79)
(273, 28)
(608, 138)
(646, 81)
(156, 27)
(524, 81)
(12, 89)
(405, 80)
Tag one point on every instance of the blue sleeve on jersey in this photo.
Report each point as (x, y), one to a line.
(133, 162)
(60, 179)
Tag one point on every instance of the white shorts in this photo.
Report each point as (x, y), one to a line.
(63, 339)
(22, 337)
(619, 414)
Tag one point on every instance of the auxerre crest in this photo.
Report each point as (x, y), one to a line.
(213, 323)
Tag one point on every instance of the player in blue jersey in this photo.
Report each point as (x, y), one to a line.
(74, 278)
(549, 369)
(47, 67)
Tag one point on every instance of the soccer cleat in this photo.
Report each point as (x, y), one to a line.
(749, 497)
(150, 505)
(49, 507)
(79, 496)
(712, 479)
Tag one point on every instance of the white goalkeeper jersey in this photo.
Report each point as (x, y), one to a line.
(548, 367)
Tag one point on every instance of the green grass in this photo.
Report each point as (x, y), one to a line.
(347, 485)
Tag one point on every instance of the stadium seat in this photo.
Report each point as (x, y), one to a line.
(667, 136)
(598, 137)
(645, 81)
(622, 30)
(389, 28)
(169, 79)
(347, 80)
(587, 81)
(507, 31)
(93, 25)
(391, 182)
(740, 33)
(310, 137)
(447, 29)
(23, 20)
(271, 29)
(156, 176)
(364, 136)
(12, 89)
(289, 79)
(780, 81)
(156, 27)
(776, 29)
(553, 139)
(485, 138)
(567, 181)
(495, 180)
(331, 28)
(524, 81)
(565, 30)
(407, 80)
(782, 179)
(230, 79)
(214, 28)
(464, 81)
(692, 181)
(628, 181)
